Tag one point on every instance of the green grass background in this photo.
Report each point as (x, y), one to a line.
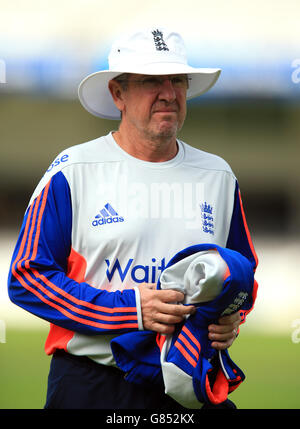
(270, 362)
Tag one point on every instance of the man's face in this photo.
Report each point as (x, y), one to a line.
(155, 105)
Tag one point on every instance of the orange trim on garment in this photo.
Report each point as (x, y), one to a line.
(30, 232)
(219, 392)
(38, 228)
(85, 303)
(23, 238)
(17, 262)
(247, 230)
(65, 312)
(58, 338)
(185, 354)
(235, 384)
(227, 273)
(254, 293)
(160, 340)
(70, 306)
(192, 337)
(244, 313)
(255, 284)
(76, 266)
(188, 345)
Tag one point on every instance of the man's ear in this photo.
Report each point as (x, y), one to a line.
(117, 94)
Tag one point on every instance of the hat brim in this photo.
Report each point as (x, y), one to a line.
(95, 96)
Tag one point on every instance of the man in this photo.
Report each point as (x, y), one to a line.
(98, 232)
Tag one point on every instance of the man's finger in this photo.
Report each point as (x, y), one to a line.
(224, 333)
(221, 329)
(160, 307)
(175, 309)
(167, 319)
(170, 295)
(219, 345)
(223, 336)
(162, 328)
(226, 323)
(222, 341)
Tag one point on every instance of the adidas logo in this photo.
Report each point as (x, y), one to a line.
(107, 215)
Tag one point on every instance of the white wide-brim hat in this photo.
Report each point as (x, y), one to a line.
(154, 51)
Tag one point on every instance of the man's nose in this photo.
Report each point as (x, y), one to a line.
(167, 91)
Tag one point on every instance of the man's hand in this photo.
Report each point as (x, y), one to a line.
(224, 334)
(160, 311)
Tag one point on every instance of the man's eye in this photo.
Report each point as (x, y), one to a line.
(179, 81)
(151, 81)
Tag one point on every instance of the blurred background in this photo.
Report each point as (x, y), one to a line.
(251, 118)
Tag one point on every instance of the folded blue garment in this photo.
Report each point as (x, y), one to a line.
(192, 371)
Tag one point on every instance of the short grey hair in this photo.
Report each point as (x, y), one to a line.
(122, 79)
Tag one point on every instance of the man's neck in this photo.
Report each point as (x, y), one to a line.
(147, 149)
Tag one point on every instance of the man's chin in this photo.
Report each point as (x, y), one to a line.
(167, 129)
(165, 134)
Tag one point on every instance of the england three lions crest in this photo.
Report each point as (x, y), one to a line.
(160, 44)
(207, 218)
